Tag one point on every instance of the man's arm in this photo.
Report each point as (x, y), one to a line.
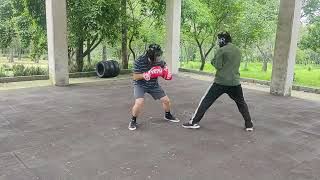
(217, 61)
(154, 72)
(137, 72)
(137, 76)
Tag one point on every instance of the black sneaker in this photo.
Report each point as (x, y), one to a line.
(189, 125)
(248, 126)
(171, 118)
(132, 125)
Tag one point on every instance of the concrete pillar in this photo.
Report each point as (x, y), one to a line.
(172, 49)
(57, 42)
(285, 47)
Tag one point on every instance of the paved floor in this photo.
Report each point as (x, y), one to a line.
(80, 133)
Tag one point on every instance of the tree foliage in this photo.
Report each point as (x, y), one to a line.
(311, 40)
(252, 24)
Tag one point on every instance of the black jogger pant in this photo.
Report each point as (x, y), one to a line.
(213, 93)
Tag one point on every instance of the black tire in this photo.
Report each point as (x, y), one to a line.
(107, 69)
(116, 70)
(100, 69)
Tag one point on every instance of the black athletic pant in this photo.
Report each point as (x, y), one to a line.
(213, 93)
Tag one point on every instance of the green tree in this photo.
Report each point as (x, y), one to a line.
(311, 9)
(92, 21)
(134, 21)
(7, 33)
(311, 39)
(36, 11)
(311, 34)
(203, 19)
(124, 32)
(255, 26)
(155, 8)
(143, 27)
(89, 23)
(14, 27)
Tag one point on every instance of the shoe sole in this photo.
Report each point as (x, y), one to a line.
(191, 127)
(175, 121)
(132, 129)
(249, 129)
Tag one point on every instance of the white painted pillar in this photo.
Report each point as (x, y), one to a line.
(57, 42)
(172, 49)
(285, 47)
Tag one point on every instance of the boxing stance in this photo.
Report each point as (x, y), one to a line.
(227, 80)
(147, 68)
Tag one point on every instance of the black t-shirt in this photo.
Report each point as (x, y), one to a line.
(142, 65)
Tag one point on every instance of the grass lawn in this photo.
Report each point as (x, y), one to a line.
(308, 75)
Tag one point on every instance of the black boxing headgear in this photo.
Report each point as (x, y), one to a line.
(154, 51)
(224, 38)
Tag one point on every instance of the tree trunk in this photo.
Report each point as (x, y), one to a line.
(245, 60)
(265, 65)
(129, 54)
(8, 54)
(89, 53)
(93, 44)
(131, 49)
(79, 56)
(124, 35)
(203, 62)
(11, 55)
(19, 54)
(187, 54)
(104, 52)
(119, 53)
(189, 57)
(265, 59)
(203, 59)
(69, 55)
(203, 54)
(246, 66)
(245, 57)
(37, 59)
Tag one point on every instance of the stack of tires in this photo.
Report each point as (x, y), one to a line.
(108, 69)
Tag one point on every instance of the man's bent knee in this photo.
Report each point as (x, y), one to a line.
(165, 100)
(139, 102)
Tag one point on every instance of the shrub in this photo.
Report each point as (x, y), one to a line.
(89, 67)
(31, 71)
(21, 70)
(6, 66)
(2, 71)
(86, 67)
(72, 68)
(18, 70)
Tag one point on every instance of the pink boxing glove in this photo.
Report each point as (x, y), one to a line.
(153, 73)
(166, 73)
